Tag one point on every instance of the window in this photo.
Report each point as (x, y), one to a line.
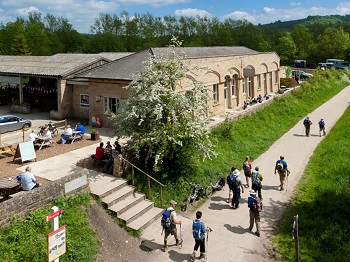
(84, 101)
(243, 85)
(276, 76)
(111, 105)
(258, 81)
(216, 93)
(250, 91)
(233, 85)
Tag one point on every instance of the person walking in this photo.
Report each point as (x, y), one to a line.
(282, 168)
(28, 181)
(235, 184)
(172, 229)
(257, 178)
(247, 168)
(307, 123)
(322, 126)
(234, 171)
(254, 212)
(198, 232)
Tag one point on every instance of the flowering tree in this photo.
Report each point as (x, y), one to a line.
(166, 113)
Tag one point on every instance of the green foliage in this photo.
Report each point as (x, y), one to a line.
(26, 238)
(166, 116)
(321, 200)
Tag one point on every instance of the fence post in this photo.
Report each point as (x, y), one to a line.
(149, 187)
(161, 195)
(296, 238)
(132, 175)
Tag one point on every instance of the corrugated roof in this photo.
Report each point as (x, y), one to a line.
(56, 65)
(126, 67)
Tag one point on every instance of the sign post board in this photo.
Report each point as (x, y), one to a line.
(56, 240)
(25, 151)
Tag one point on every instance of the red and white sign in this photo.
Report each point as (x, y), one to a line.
(53, 215)
(57, 243)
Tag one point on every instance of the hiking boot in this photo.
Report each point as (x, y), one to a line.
(165, 249)
(178, 242)
(202, 256)
(193, 256)
(281, 189)
(257, 233)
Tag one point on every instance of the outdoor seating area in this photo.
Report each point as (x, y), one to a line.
(9, 185)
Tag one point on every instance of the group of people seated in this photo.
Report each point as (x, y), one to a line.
(68, 132)
(105, 152)
(253, 100)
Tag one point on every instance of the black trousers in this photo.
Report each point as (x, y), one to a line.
(200, 243)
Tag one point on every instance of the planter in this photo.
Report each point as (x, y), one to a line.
(95, 136)
(24, 109)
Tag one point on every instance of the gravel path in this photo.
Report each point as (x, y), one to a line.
(231, 239)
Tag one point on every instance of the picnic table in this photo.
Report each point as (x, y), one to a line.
(4, 148)
(77, 135)
(43, 141)
(8, 186)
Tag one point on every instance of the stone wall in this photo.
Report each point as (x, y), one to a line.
(25, 202)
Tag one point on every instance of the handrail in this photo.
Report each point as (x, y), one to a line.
(148, 178)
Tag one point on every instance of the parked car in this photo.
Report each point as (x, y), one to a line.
(301, 74)
(11, 123)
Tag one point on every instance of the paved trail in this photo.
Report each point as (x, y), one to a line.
(231, 240)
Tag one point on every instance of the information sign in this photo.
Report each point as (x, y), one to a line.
(56, 243)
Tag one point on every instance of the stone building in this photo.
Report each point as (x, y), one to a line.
(233, 75)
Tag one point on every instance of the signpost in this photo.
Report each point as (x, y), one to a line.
(56, 240)
(25, 151)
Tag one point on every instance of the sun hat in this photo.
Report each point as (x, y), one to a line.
(252, 192)
(173, 202)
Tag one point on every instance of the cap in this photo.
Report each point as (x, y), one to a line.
(252, 192)
(173, 202)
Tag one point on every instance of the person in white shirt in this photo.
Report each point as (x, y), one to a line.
(67, 134)
(28, 180)
(32, 136)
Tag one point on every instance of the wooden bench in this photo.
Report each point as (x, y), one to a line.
(17, 194)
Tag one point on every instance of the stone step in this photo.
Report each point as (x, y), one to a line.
(136, 211)
(103, 185)
(117, 195)
(146, 218)
(130, 200)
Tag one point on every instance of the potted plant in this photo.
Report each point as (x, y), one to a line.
(94, 134)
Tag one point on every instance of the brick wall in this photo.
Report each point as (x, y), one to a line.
(40, 197)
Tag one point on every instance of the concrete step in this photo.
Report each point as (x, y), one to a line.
(122, 205)
(102, 184)
(136, 211)
(117, 195)
(146, 218)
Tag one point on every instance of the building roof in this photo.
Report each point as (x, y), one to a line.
(126, 67)
(56, 65)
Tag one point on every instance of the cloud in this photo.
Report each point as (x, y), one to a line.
(192, 12)
(155, 3)
(240, 15)
(25, 11)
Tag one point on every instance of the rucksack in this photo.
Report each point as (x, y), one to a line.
(246, 167)
(197, 229)
(232, 181)
(306, 122)
(321, 124)
(257, 205)
(255, 178)
(279, 166)
(166, 219)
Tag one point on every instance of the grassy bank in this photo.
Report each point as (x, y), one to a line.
(254, 134)
(322, 201)
(26, 238)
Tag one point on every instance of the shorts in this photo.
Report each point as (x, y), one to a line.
(282, 175)
(248, 174)
(170, 231)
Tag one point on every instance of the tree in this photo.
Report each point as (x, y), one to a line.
(286, 49)
(19, 45)
(304, 42)
(164, 117)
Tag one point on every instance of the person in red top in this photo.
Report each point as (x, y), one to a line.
(99, 152)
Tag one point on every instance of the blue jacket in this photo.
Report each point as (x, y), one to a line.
(202, 230)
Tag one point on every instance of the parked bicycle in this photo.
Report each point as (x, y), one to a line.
(218, 185)
(196, 192)
(53, 129)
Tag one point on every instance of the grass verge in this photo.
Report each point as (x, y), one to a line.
(321, 200)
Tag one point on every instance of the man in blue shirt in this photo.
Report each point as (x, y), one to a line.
(80, 127)
(253, 214)
(282, 168)
(28, 180)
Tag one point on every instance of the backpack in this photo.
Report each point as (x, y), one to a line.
(255, 178)
(321, 124)
(279, 166)
(232, 182)
(306, 122)
(257, 205)
(197, 229)
(166, 219)
(246, 167)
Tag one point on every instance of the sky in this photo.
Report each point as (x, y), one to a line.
(82, 13)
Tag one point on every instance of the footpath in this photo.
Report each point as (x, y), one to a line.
(231, 239)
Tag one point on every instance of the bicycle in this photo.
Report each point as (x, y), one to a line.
(196, 191)
(53, 129)
(218, 185)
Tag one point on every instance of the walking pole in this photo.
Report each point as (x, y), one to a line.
(181, 235)
(206, 255)
(287, 180)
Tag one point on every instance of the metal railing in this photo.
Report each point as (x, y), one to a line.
(148, 180)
